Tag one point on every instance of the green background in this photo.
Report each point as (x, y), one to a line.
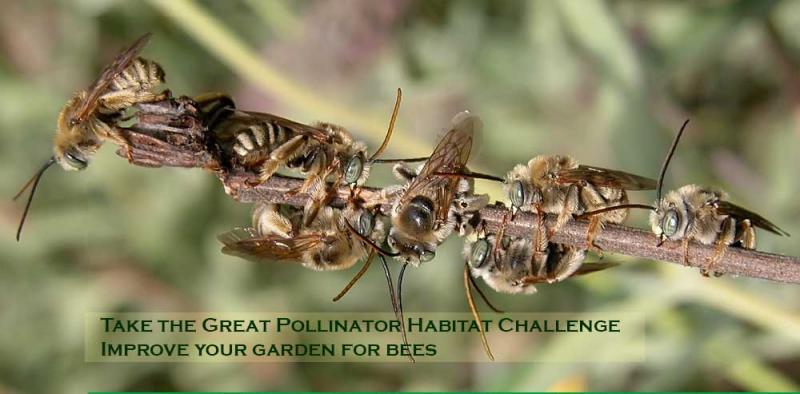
(608, 82)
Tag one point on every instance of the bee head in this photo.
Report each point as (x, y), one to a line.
(522, 194)
(366, 223)
(670, 219)
(479, 254)
(74, 141)
(71, 159)
(355, 170)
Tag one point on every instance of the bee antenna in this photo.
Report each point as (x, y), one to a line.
(398, 309)
(34, 182)
(470, 174)
(475, 315)
(614, 208)
(357, 277)
(483, 295)
(391, 127)
(409, 160)
(370, 243)
(667, 160)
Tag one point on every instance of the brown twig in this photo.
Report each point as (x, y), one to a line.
(170, 135)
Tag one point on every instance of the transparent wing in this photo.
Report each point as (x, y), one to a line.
(604, 177)
(247, 244)
(450, 156)
(757, 220)
(316, 133)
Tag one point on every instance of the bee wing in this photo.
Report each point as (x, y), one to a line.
(588, 268)
(316, 133)
(449, 156)
(583, 270)
(121, 62)
(727, 208)
(604, 177)
(247, 244)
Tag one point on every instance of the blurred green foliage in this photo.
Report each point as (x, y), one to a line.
(608, 82)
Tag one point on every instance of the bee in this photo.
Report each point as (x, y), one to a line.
(558, 185)
(326, 244)
(335, 240)
(514, 265)
(435, 198)
(701, 213)
(85, 122)
(266, 142)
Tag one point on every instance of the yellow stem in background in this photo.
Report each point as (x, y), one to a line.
(277, 15)
(746, 307)
(229, 49)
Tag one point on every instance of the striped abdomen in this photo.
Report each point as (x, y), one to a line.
(142, 74)
(257, 141)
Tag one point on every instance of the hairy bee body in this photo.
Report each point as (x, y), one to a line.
(543, 190)
(558, 185)
(135, 84)
(430, 205)
(514, 265)
(325, 244)
(703, 214)
(83, 123)
(266, 143)
(414, 226)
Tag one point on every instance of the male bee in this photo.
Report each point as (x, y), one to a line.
(704, 214)
(325, 244)
(266, 142)
(514, 265)
(335, 240)
(557, 184)
(435, 198)
(85, 121)
(700, 213)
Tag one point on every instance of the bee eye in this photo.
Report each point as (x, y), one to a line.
(480, 250)
(517, 194)
(427, 255)
(670, 223)
(366, 222)
(75, 161)
(353, 169)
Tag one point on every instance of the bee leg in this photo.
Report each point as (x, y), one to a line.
(571, 203)
(746, 236)
(685, 246)
(726, 237)
(280, 156)
(498, 239)
(317, 194)
(540, 224)
(595, 225)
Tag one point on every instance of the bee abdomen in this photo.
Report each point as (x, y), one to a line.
(264, 138)
(141, 74)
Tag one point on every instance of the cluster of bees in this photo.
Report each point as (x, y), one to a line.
(432, 200)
